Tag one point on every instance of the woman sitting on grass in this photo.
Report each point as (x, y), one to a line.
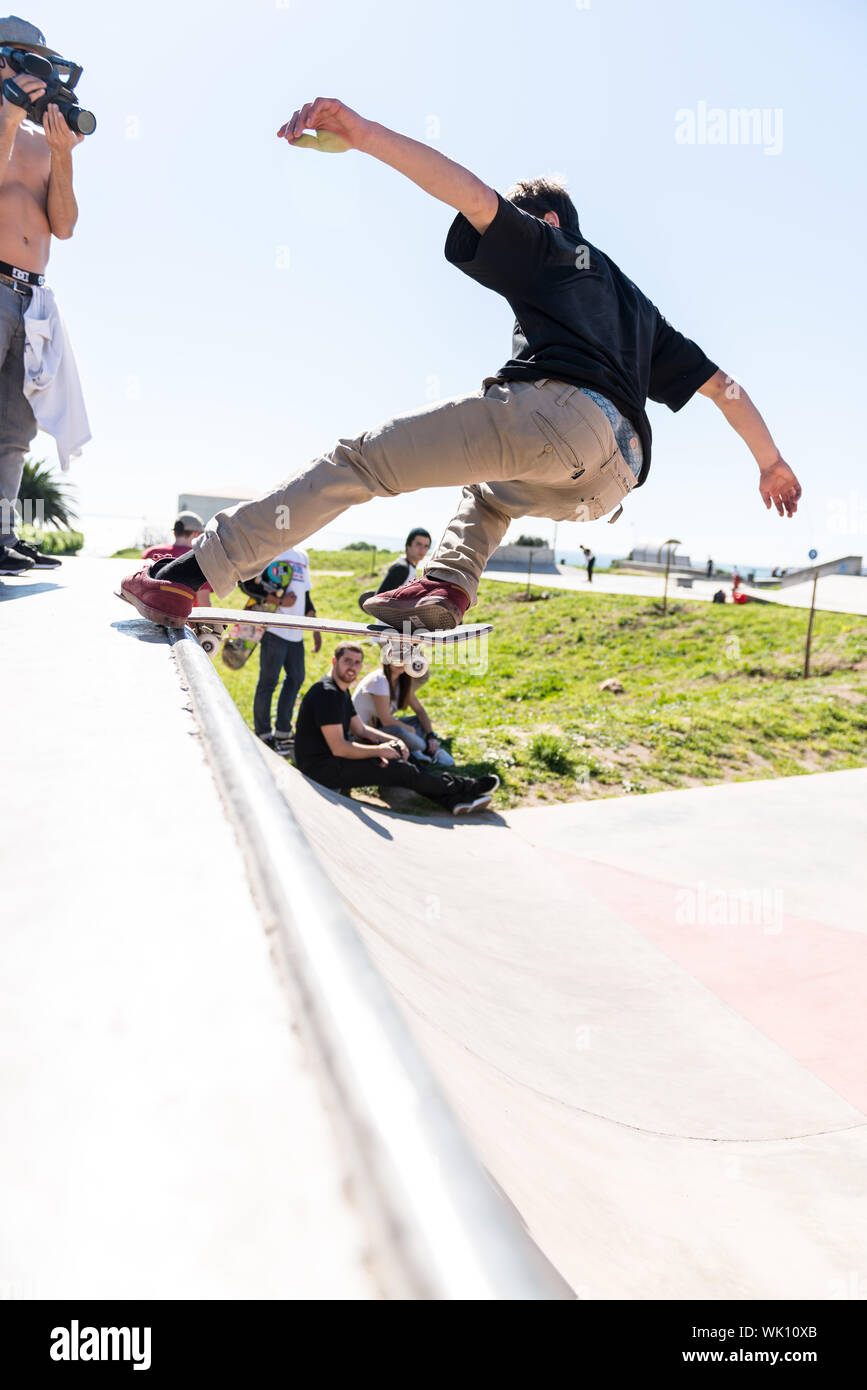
(381, 694)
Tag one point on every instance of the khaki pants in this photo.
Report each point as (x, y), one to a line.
(520, 448)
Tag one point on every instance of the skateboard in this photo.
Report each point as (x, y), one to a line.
(412, 649)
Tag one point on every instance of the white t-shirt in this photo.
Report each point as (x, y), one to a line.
(299, 586)
(374, 683)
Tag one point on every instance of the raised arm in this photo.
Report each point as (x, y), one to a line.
(777, 483)
(338, 128)
(61, 207)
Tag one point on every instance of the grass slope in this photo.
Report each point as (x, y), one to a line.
(711, 693)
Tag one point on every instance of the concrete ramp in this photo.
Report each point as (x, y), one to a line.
(647, 1012)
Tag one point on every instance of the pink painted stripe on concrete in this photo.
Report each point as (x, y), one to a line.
(801, 983)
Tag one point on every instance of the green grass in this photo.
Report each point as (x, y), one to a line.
(54, 541)
(712, 693)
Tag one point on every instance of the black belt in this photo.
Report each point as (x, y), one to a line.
(21, 277)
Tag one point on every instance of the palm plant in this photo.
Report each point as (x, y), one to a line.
(51, 498)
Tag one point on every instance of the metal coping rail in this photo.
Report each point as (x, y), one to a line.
(437, 1226)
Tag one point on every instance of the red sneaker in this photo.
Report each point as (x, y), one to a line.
(158, 599)
(424, 604)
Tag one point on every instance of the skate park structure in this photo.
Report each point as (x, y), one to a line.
(262, 1040)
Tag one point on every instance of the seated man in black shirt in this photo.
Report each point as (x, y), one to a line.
(327, 746)
(560, 431)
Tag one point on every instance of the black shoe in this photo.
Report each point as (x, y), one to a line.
(284, 744)
(13, 563)
(267, 739)
(475, 796)
(36, 557)
(487, 785)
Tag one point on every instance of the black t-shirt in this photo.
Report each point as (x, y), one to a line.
(397, 574)
(324, 703)
(579, 319)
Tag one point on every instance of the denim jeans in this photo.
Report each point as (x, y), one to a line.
(275, 656)
(409, 730)
(17, 421)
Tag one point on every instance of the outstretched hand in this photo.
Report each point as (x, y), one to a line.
(780, 488)
(337, 127)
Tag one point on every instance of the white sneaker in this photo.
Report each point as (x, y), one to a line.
(466, 808)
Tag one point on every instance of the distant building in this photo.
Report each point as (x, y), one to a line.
(654, 553)
(207, 504)
(517, 557)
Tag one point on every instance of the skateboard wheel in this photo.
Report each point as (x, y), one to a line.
(210, 644)
(417, 663)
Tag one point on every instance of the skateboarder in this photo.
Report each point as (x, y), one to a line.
(560, 431)
(328, 747)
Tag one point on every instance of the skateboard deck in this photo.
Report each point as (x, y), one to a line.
(209, 625)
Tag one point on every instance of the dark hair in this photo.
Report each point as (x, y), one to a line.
(399, 688)
(346, 647)
(416, 531)
(180, 529)
(546, 194)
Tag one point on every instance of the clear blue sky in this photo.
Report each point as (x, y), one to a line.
(207, 360)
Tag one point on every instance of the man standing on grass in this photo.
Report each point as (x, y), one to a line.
(281, 650)
(560, 431)
(335, 748)
(405, 570)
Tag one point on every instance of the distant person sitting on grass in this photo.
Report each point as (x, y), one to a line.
(384, 691)
(188, 525)
(404, 571)
(334, 746)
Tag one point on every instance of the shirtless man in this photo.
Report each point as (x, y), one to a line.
(36, 203)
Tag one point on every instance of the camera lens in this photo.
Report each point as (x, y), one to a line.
(81, 121)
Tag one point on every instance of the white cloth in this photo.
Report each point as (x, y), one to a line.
(51, 382)
(374, 683)
(299, 586)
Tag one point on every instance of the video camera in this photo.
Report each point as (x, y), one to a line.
(58, 91)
